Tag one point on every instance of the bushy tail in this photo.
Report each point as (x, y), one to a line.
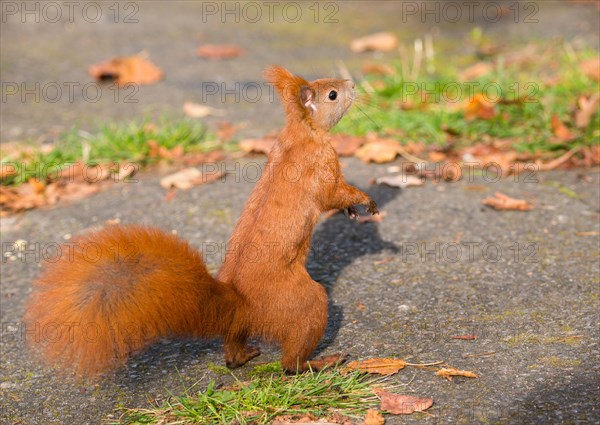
(114, 291)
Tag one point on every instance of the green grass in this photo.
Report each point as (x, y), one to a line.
(111, 144)
(439, 120)
(268, 395)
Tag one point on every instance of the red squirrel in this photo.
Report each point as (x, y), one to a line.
(144, 284)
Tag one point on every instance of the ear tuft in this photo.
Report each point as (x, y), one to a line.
(288, 87)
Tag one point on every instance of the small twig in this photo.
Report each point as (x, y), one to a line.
(489, 353)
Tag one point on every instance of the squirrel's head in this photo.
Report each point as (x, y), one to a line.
(321, 103)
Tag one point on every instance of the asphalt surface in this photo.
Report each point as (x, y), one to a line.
(440, 264)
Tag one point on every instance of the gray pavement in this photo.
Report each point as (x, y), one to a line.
(439, 265)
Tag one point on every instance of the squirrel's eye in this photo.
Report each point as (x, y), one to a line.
(332, 95)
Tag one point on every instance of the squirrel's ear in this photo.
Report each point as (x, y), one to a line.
(307, 97)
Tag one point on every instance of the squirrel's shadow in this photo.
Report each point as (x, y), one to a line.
(337, 242)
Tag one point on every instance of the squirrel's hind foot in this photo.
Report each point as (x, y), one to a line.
(241, 358)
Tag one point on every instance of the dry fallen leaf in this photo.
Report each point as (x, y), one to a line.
(226, 130)
(475, 71)
(480, 107)
(560, 130)
(75, 191)
(591, 68)
(263, 145)
(374, 417)
(196, 110)
(400, 404)
(7, 170)
(436, 156)
(377, 69)
(465, 337)
(327, 361)
(557, 162)
(449, 372)
(588, 106)
(379, 151)
(377, 218)
(380, 366)
(346, 145)
(127, 70)
(502, 202)
(402, 181)
(188, 178)
(219, 51)
(380, 42)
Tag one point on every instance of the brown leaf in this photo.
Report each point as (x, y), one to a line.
(557, 162)
(436, 156)
(188, 178)
(588, 106)
(263, 145)
(219, 51)
(449, 372)
(196, 110)
(197, 158)
(74, 191)
(591, 68)
(7, 170)
(170, 195)
(400, 404)
(475, 71)
(26, 196)
(380, 42)
(465, 337)
(386, 366)
(327, 361)
(225, 131)
(346, 145)
(127, 70)
(38, 186)
(378, 69)
(377, 218)
(379, 151)
(502, 202)
(480, 107)
(560, 130)
(127, 169)
(402, 181)
(374, 417)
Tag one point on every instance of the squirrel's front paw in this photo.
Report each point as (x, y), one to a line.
(352, 213)
(372, 208)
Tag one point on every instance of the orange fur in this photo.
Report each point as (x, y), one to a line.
(123, 288)
(145, 284)
(301, 179)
